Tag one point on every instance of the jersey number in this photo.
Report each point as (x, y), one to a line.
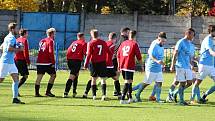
(100, 49)
(42, 46)
(125, 50)
(74, 47)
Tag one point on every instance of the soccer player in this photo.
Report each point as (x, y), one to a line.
(46, 62)
(206, 65)
(154, 67)
(96, 54)
(123, 36)
(181, 61)
(75, 55)
(22, 58)
(127, 52)
(7, 64)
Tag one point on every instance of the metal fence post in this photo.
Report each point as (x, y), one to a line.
(56, 55)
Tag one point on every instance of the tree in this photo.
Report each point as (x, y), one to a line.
(212, 10)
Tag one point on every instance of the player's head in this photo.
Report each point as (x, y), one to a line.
(80, 36)
(132, 35)
(211, 30)
(125, 31)
(12, 27)
(94, 33)
(23, 32)
(190, 33)
(112, 36)
(162, 38)
(51, 32)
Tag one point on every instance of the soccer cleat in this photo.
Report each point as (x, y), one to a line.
(65, 95)
(38, 95)
(115, 93)
(130, 100)
(49, 94)
(94, 97)
(183, 103)
(84, 96)
(152, 98)
(202, 101)
(17, 101)
(160, 101)
(169, 98)
(19, 95)
(103, 98)
(123, 102)
(74, 94)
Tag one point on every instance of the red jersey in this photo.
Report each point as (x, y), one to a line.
(96, 52)
(77, 50)
(126, 55)
(46, 52)
(23, 55)
(109, 62)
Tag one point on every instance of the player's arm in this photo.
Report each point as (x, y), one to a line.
(26, 52)
(1, 48)
(152, 54)
(118, 57)
(14, 49)
(211, 52)
(175, 54)
(139, 56)
(51, 52)
(89, 53)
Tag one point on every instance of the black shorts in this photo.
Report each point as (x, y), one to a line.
(127, 75)
(110, 72)
(42, 69)
(115, 64)
(98, 69)
(22, 67)
(74, 66)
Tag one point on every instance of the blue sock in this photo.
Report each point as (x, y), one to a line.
(136, 87)
(181, 93)
(211, 90)
(158, 93)
(154, 90)
(171, 89)
(198, 93)
(15, 89)
(141, 88)
(193, 93)
(176, 92)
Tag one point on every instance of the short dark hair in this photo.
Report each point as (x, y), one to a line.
(80, 34)
(132, 33)
(112, 35)
(211, 28)
(94, 33)
(22, 32)
(11, 26)
(191, 30)
(162, 35)
(124, 29)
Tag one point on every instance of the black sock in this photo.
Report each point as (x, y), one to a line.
(68, 86)
(22, 81)
(94, 90)
(75, 83)
(204, 96)
(104, 89)
(37, 89)
(88, 87)
(49, 87)
(125, 90)
(130, 91)
(117, 86)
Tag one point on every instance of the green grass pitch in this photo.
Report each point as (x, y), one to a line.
(78, 109)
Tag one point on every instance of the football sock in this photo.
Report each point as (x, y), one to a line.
(22, 81)
(49, 87)
(181, 93)
(158, 93)
(154, 90)
(125, 90)
(88, 87)
(68, 86)
(208, 92)
(15, 89)
(75, 83)
(171, 89)
(103, 89)
(117, 86)
(130, 90)
(139, 91)
(136, 87)
(94, 90)
(37, 89)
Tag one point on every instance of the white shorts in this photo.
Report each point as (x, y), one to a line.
(6, 69)
(205, 71)
(182, 75)
(151, 76)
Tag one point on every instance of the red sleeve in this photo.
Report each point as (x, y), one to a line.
(89, 53)
(85, 49)
(26, 51)
(118, 55)
(51, 51)
(137, 52)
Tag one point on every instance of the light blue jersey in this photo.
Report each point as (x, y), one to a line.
(7, 56)
(157, 52)
(192, 50)
(183, 57)
(205, 57)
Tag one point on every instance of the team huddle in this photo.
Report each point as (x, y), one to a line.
(107, 59)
